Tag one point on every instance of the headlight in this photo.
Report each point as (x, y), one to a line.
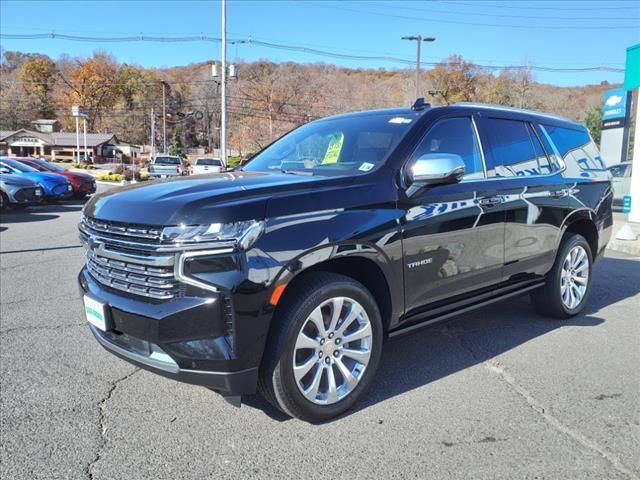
(244, 234)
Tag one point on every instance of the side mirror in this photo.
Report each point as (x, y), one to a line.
(436, 168)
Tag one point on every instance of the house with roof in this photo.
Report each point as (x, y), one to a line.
(47, 141)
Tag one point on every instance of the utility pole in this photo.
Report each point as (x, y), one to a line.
(164, 118)
(84, 128)
(77, 139)
(153, 134)
(223, 87)
(419, 39)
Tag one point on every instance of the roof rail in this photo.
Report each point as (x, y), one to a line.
(496, 106)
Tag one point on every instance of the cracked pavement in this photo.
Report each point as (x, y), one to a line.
(499, 393)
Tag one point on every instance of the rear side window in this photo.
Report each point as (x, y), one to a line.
(544, 167)
(167, 161)
(512, 151)
(208, 161)
(454, 135)
(574, 146)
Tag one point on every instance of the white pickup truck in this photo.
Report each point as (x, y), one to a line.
(206, 165)
(167, 166)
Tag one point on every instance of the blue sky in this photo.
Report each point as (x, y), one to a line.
(493, 32)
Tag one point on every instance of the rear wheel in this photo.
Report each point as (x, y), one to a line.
(324, 348)
(4, 201)
(568, 283)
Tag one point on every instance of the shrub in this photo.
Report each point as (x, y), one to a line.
(118, 177)
(233, 162)
(110, 177)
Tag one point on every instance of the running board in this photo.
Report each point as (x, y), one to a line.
(427, 318)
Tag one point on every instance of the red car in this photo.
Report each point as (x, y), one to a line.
(83, 184)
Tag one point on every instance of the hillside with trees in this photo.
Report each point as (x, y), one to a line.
(265, 100)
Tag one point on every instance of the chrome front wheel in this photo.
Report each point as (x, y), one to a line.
(332, 350)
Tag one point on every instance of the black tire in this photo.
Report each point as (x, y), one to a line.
(4, 202)
(548, 300)
(277, 382)
(79, 196)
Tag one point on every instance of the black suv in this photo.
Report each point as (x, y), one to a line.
(287, 275)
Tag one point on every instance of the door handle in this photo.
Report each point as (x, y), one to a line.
(560, 193)
(490, 201)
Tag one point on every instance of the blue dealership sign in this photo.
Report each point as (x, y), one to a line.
(626, 204)
(615, 104)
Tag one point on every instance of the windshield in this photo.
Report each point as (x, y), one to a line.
(349, 145)
(48, 166)
(208, 161)
(167, 161)
(21, 167)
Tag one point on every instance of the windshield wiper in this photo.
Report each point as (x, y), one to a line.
(298, 172)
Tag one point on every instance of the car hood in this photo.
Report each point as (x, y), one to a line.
(17, 180)
(224, 197)
(78, 176)
(45, 177)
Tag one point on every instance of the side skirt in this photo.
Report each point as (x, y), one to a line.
(429, 317)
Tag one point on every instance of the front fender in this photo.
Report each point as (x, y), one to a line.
(298, 243)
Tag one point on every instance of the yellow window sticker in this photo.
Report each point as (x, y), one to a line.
(334, 149)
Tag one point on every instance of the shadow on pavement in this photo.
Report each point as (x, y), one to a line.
(26, 215)
(444, 349)
(39, 213)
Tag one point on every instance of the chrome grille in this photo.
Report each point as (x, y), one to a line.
(153, 282)
(140, 232)
(124, 257)
(61, 189)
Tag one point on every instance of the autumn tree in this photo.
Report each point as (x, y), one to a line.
(93, 85)
(523, 88)
(500, 90)
(281, 93)
(137, 91)
(455, 79)
(38, 76)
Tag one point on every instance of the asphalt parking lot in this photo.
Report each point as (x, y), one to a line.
(499, 393)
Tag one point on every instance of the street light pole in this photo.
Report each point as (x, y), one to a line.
(223, 87)
(418, 39)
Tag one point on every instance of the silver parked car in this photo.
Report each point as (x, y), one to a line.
(621, 181)
(164, 166)
(18, 192)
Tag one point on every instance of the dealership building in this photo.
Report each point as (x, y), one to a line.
(47, 141)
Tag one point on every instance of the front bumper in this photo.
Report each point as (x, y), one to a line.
(227, 383)
(186, 339)
(85, 188)
(59, 191)
(25, 196)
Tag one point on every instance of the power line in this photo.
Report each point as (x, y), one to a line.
(494, 15)
(535, 26)
(298, 48)
(539, 7)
